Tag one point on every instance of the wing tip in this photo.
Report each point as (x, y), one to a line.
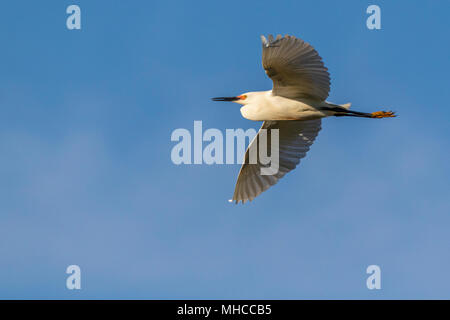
(243, 201)
(271, 39)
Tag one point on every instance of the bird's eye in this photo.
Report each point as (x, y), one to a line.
(242, 97)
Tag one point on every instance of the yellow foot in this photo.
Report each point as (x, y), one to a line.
(383, 114)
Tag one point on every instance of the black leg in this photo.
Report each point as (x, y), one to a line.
(349, 113)
(352, 115)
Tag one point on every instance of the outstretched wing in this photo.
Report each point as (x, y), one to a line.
(295, 67)
(295, 138)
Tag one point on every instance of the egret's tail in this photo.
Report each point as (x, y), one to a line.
(346, 106)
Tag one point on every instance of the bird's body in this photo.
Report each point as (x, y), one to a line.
(263, 105)
(295, 106)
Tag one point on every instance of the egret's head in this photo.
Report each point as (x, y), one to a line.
(242, 99)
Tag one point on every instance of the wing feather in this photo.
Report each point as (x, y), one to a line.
(295, 139)
(295, 67)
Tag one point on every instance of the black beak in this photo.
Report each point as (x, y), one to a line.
(225, 99)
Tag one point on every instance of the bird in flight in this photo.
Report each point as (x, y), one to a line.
(295, 106)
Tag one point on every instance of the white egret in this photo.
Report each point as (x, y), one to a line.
(295, 106)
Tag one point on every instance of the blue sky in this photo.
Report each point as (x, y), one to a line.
(86, 176)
